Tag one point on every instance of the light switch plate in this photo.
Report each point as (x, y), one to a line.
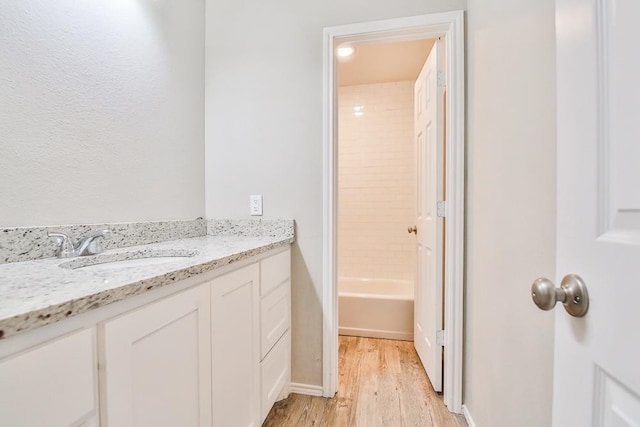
(255, 204)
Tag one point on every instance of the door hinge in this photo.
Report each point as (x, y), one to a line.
(440, 338)
(442, 212)
(442, 79)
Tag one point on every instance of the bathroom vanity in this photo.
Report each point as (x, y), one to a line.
(199, 341)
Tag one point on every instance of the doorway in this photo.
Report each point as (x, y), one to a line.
(390, 181)
(377, 187)
(447, 26)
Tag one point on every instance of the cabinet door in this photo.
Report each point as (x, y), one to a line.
(234, 314)
(156, 364)
(51, 385)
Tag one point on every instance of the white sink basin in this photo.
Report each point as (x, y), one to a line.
(125, 260)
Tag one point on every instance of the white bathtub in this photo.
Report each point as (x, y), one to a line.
(376, 308)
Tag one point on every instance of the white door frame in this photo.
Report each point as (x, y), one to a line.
(451, 26)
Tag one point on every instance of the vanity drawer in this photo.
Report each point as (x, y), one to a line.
(274, 317)
(274, 271)
(275, 375)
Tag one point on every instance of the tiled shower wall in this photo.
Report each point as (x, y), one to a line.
(376, 181)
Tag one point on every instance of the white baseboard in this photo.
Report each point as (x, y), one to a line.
(375, 333)
(467, 416)
(308, 389)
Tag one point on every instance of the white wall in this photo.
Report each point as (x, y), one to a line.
(510, 210)
(376, 181)
(263, 129)
(101, 112)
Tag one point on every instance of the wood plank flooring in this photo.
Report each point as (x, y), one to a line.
(382, 384)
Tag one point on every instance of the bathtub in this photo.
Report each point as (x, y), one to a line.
(375, 308)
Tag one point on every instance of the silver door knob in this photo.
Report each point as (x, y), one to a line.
(413, 230)
(572, 293)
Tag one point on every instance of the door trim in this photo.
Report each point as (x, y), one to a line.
(451, 26)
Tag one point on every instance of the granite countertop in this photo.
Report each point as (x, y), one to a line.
(36, 293)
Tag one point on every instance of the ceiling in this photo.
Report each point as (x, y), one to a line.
(383, 62)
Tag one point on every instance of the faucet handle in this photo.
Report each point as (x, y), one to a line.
(101, 232)
(95, 246)
(63, 243)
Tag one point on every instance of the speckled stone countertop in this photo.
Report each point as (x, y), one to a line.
(40, 292)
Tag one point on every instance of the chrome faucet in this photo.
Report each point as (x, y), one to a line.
(87, 244)
(63, 243)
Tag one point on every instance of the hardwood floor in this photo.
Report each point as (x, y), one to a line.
(382, 384)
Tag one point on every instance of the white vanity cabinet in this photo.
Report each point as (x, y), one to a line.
(54, 384)
(214, 352)
(155, 363)
(251, 346)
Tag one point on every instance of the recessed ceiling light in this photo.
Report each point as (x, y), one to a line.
(344, 51)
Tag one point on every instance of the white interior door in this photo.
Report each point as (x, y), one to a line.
(429, 140)
(597, 357)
